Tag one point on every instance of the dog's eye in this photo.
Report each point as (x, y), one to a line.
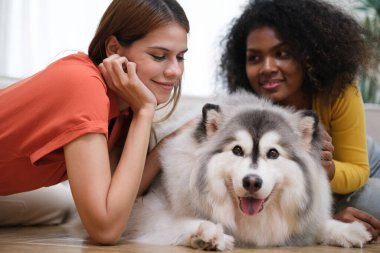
(237, 150)
(273, 154)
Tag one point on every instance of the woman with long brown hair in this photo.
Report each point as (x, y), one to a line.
(87, 118)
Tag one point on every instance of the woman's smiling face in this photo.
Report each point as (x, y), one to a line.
(272, 69)
(159, 57)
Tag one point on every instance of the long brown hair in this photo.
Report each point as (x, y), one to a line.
(131, 20)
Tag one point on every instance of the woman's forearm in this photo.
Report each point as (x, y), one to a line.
(152, 168)
(128, 174)
(104, 202)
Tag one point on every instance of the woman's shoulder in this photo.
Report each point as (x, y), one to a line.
(349, 103)
(73, 73)
(351, 91)
(71, 80)
(75, 64)
(349, 94)
(348, 108)
(78, 59)
(350, 99)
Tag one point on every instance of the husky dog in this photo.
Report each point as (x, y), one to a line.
(248, 173)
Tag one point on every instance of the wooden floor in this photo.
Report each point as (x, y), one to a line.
(62, 239)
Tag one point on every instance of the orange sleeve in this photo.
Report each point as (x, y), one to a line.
(53, 107)
(78, 104)
(43, 113)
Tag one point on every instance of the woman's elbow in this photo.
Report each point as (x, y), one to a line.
(105, 236)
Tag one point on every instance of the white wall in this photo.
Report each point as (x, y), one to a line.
(209, 20)
(34, 33)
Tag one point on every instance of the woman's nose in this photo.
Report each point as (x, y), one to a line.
(269, 65)
(173, 70)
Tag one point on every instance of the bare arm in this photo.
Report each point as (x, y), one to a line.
(104, 202)
(152, 168)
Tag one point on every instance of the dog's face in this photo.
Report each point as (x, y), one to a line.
(256, 155)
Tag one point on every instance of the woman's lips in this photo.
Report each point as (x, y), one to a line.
(271, 85)
(166, 86)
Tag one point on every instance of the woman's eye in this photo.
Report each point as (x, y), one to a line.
(158, 57)
(252, 58)
(273, 154)
(180, 58)
(283, 54)
(238, 151)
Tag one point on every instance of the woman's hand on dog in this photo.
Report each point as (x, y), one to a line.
(351, 214)
(327, 160)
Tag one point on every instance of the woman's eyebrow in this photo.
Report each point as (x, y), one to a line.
(165, 49)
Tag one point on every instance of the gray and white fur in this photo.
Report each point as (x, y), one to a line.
(248, 173)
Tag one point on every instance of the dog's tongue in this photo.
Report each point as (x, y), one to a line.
(251, 206)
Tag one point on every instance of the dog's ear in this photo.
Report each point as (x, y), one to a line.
(310, 129)
(211, 119)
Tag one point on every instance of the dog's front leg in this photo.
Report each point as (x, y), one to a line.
(347, 235)
(197, 234)
(164, 228)
(206, 235)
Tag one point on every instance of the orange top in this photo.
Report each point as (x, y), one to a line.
(41, 114)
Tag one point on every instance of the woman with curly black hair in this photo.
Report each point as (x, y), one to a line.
(306, 54)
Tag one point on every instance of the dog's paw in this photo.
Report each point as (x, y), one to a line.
(348, 235)
(210, 236)
(356, 235)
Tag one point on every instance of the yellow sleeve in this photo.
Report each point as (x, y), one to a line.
(345, 122)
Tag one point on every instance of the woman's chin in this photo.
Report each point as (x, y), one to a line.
(162, 99)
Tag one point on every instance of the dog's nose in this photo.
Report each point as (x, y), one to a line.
(252, 183)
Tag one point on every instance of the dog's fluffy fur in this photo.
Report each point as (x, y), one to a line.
(248, 173)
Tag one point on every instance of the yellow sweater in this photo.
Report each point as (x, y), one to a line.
(344, 121)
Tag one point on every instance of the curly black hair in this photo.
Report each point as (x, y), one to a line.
(329, 43)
